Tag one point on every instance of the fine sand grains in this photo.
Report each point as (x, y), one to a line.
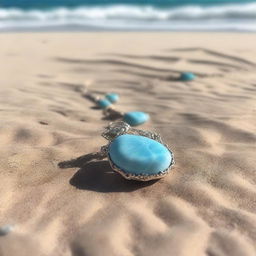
(205, 207)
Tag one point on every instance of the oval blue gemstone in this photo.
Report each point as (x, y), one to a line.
(112, 97)
(136, 154)
(136, 118)
(187, 76)
(103, 103)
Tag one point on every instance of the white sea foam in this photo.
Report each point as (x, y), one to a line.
(228, 17)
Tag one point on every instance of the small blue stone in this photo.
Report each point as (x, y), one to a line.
(187, 76)
(136, 154)
(112, 97)
(4, 230)
(136, 118)
(103, 103)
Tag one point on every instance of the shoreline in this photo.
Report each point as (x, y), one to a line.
(57, 30)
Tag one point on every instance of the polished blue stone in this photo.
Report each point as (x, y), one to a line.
(139, 155)
(103, 103)
(136, 118)
(112, 97)
(187, 76)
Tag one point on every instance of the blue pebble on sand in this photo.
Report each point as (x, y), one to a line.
(187, 76)
(4, 230)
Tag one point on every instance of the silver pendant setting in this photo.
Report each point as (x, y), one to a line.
(117, 129)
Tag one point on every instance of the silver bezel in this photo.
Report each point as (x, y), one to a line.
(120, 128)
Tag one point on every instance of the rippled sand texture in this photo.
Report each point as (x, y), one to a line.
(205, 207)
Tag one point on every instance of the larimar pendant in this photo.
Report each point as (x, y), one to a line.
(136, 154)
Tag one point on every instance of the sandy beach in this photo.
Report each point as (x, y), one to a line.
(206, 206)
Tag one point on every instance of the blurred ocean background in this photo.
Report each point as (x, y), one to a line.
(146, 15)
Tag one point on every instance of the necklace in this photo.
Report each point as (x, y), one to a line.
(133, 118)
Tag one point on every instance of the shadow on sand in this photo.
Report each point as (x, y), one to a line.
(98, 176)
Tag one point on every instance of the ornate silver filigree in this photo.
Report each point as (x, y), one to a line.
(119, 128)
(115, 129)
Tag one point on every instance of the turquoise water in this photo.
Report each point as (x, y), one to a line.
(26, 4)
(156, 15)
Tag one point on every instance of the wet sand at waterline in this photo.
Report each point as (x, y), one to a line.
(205, 207)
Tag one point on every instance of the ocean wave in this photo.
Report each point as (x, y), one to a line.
(240, 16)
